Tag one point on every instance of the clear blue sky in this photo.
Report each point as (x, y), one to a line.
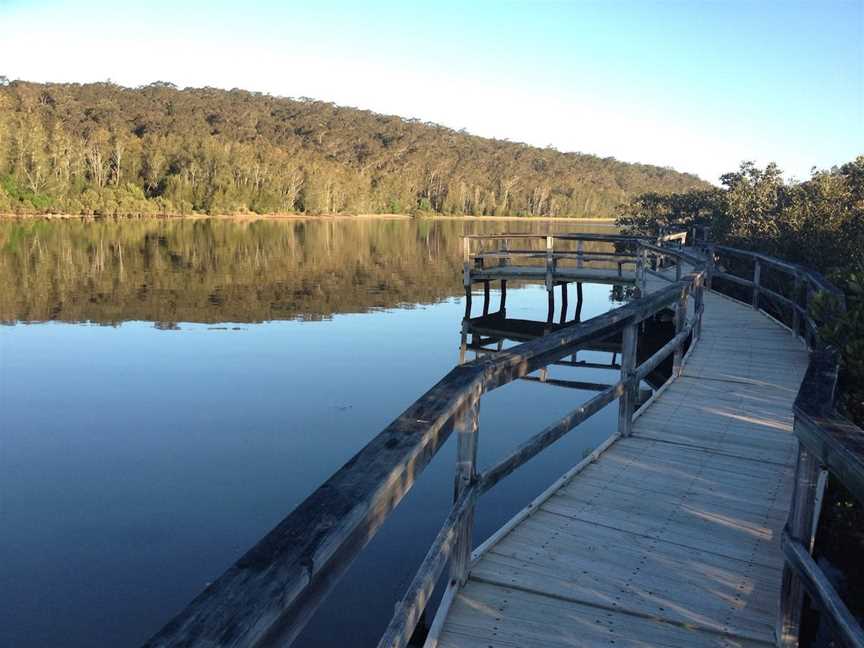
(696, 85)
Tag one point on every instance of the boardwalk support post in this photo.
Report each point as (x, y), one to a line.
(709, 267)
(627, 402)
(466, 426)
(486, 298)
(699, 308)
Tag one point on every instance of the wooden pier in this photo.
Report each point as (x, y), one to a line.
(692, 525)
(672, 535)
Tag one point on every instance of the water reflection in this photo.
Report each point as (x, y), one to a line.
(137, 462)
(169, 271)
(490, 333)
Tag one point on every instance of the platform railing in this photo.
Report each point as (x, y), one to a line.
(482, 252)
(828, 443)
(269, 594)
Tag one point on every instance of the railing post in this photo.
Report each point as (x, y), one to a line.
(466, 274)
(680, 321)
(800, 526)
(580, 250)
(466, 426)
(698, 308)
(642, 268)
(709, 269)
(549, 260)
(757, 273)
(627, 402)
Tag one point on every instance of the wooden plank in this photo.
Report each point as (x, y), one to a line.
(510, 617)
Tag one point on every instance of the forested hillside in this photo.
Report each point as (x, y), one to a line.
(107, 150)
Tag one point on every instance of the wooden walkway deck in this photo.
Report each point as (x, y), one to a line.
(671, 537)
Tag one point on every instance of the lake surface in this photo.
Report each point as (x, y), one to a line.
(170, 390)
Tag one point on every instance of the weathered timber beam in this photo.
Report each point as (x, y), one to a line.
(812, 276)
(674, 252)
(272, 590)
(846, 627)
(409, 609)
(570, 384)
(612, 238)
(837, 443)
(533, 446)
(539, 254)
(661, 354)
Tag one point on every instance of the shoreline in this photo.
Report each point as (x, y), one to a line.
(256, 217)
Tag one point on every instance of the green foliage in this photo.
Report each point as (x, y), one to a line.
(845, 331)
(648, 213)
(818, 223)
(102, 149)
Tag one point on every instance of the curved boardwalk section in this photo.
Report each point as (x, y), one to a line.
(670, 538)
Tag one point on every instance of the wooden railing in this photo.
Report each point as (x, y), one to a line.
(268, 595)
(501, 253)
(827, 442)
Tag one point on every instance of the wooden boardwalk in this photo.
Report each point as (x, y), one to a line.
(671, 537)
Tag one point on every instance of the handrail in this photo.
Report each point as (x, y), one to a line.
(827, 443)
(474, 268)
(618, 238)
(270, 593)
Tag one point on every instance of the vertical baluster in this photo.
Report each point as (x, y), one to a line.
(709, 270)
(463, 343)
(466, 273)
(644, 269)
(699, 308)
(563, 285)
(549, 261)
(486, 298)
(466, 426)
(627, 402)
(580, 249)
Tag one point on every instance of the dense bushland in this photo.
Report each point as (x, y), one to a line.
(818, 223)
(107, 150)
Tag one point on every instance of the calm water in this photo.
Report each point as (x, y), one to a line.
(170, 390)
